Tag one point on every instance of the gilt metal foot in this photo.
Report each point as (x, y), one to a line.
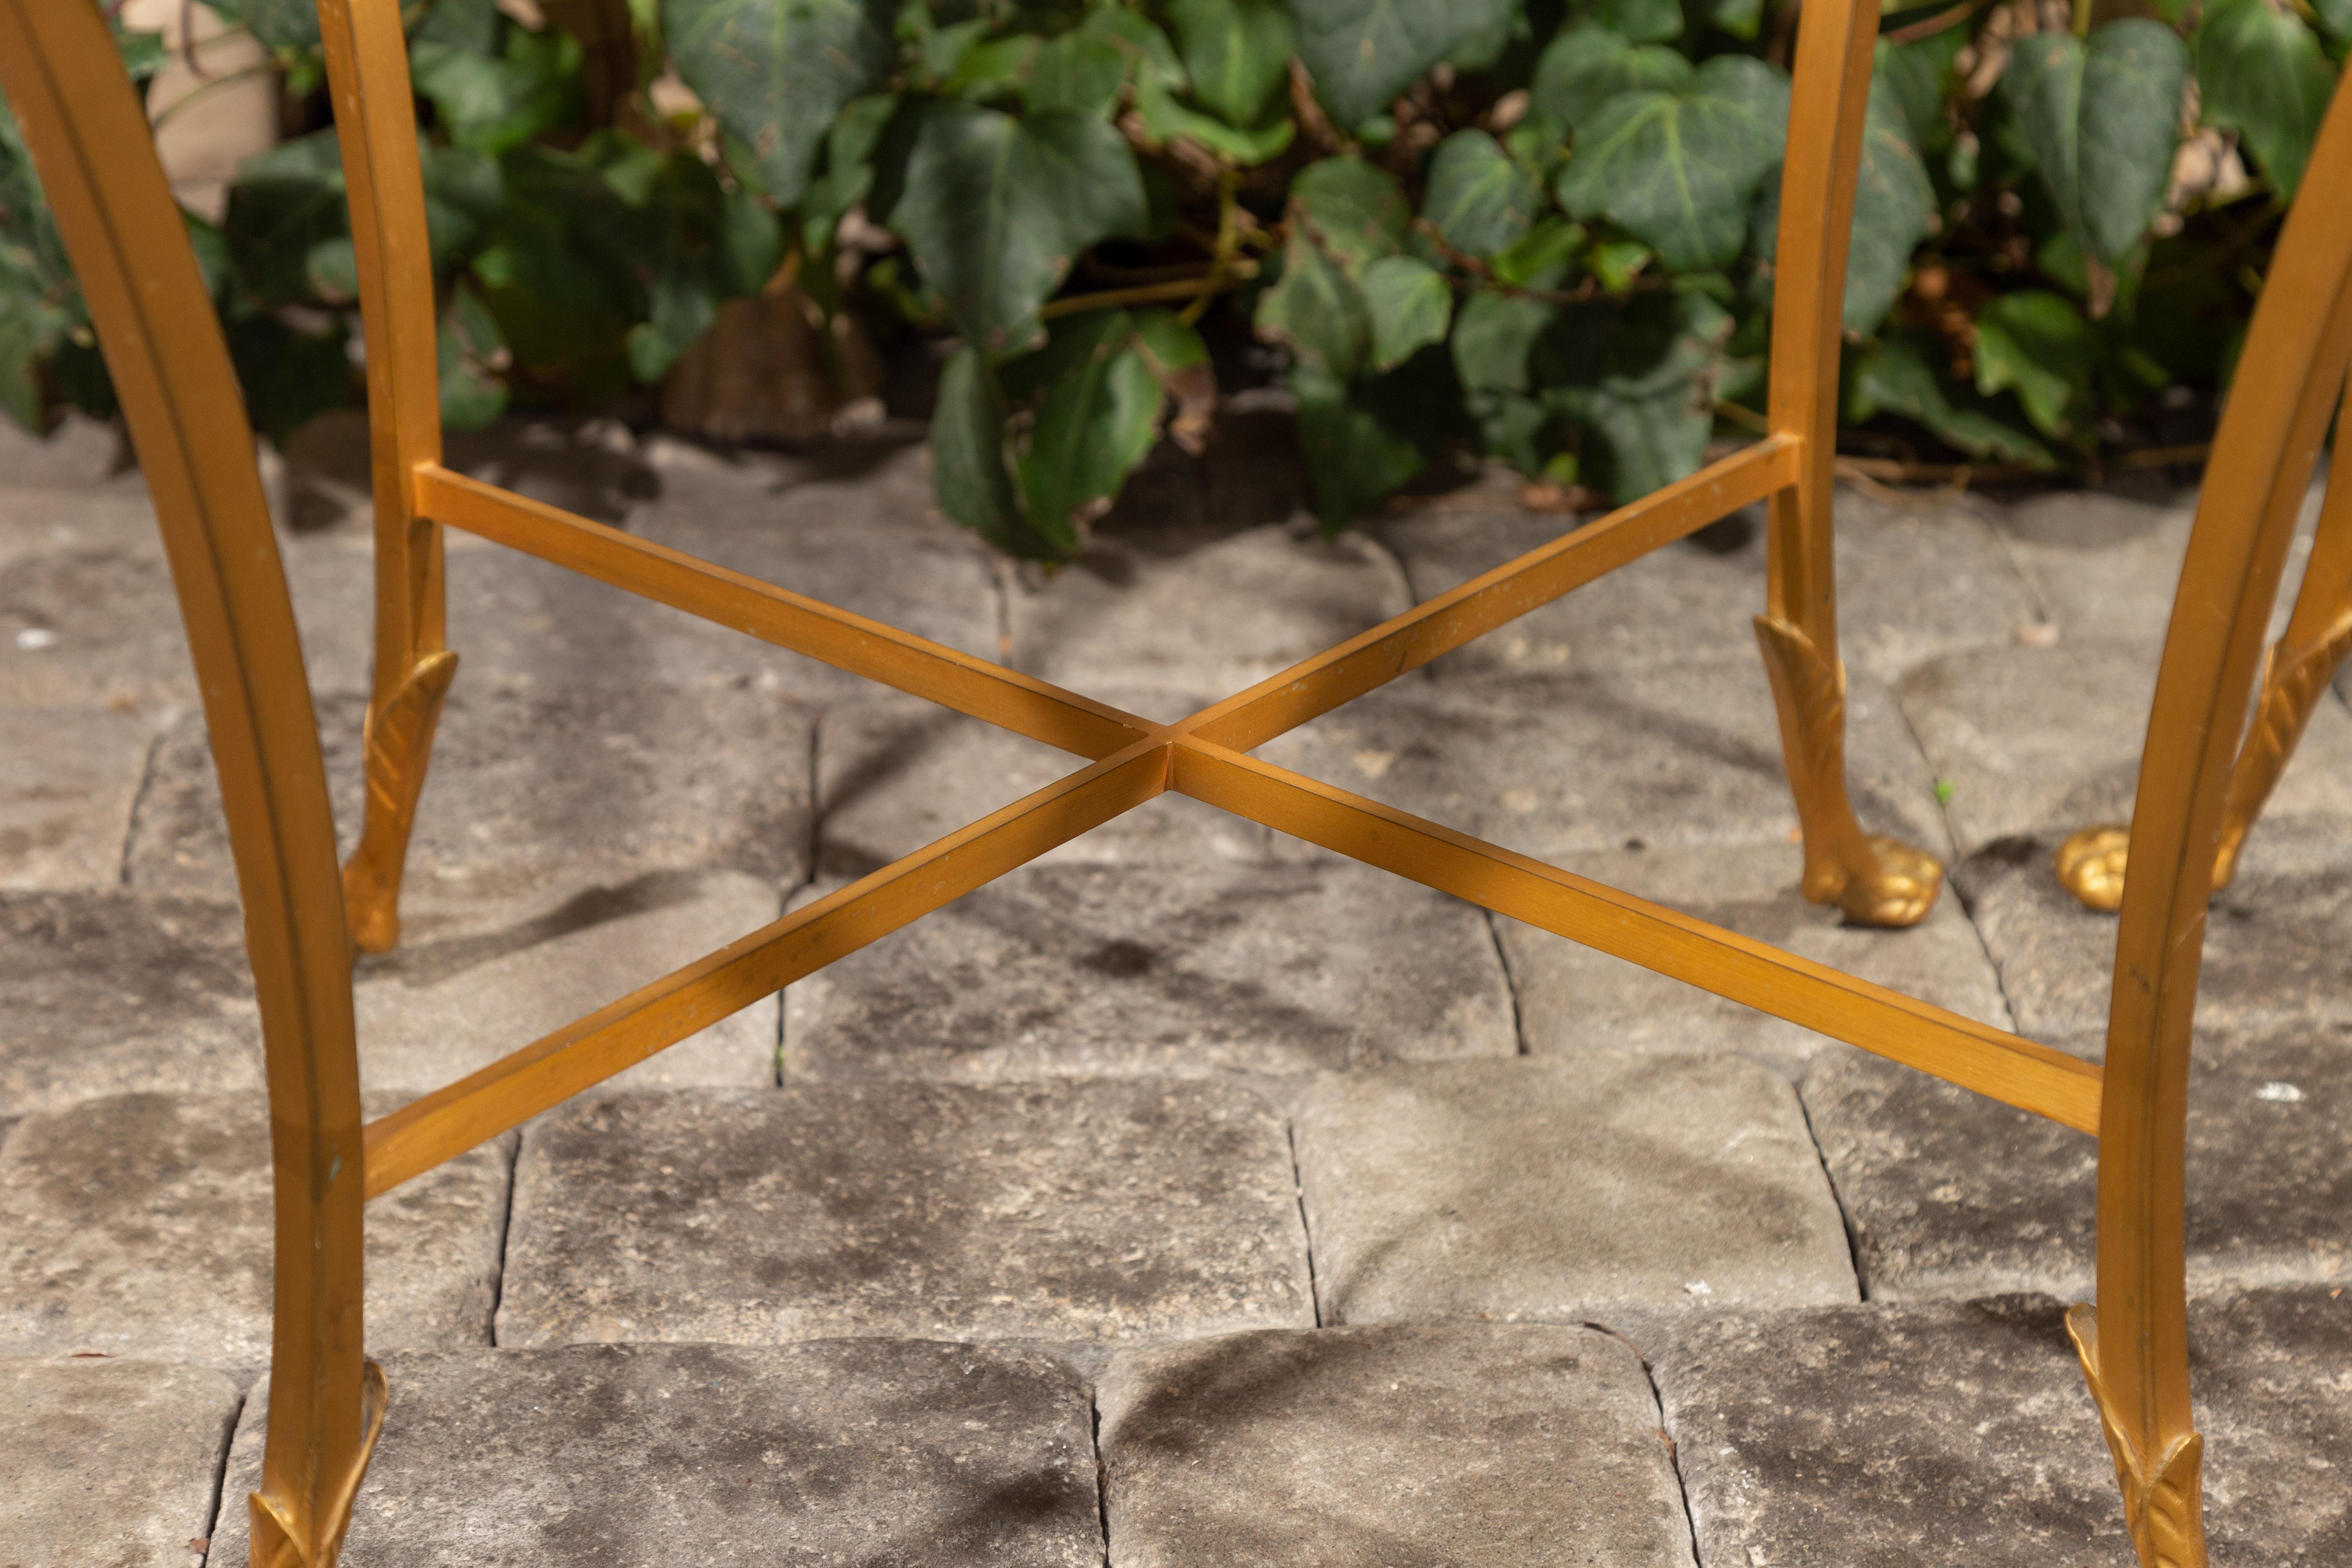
(2164, 1503)
(1875, 880)
(289, 1535)
(399, 746)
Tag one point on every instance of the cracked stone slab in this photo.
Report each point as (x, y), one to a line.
(87, 615)
(1950, 1193)
(2107, 563)
(2271, 1371)
(1056, 1212)
(108, 1462)
(2036, 742)
(1362, 1447)
(1574, 999)
(80, 451)
(1911, 1437)
(1554, 765)
(140, 1225)
(2273, 943)
(837, 1454)
(896, 774)
(1183, 609)
(1612, 1184)
(531, 792)
(67, 779)
(106, 992)
(461, 991)
(1278, 968)
(1697, 600)
(1919, 1436)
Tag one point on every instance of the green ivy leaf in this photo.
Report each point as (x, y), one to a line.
(776, 72)
(1540, 257)
(1479, 200)
(490, 103)
(287, 223)
(473, 353)
(1410, 307)
(1237, 52)
(1588, 65)
(2334, 17)
(1493, 338)
(472, 24)
(288, 374)
(1316, 309)
(1740, 18)
(1893, 208)
(2261, 71)
(1643, 21)
(2103, 117)
(1678, 169)
(848, 167)
(1362, 53)
(1080, 70)
(2038, 343)
(279, 23)
(1165, 119)
(1920, 75)
(1098, 416)
(967, 466)
(1894, 376)
(1358, 211)
(995, 210)
(1353, 459)
(1638, 381)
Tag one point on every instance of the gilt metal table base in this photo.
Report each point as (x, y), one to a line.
(170, 365)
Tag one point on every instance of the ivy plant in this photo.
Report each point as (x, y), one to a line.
(1540, 231)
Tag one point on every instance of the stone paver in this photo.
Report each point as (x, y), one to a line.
(2107, 563)
(1610, 1186)
(80, 452)
(110, 992)
(1053, 1211)
(2274, 945)
(88, 617)
(2272, 1370)
(67, 779)
(1574, 998)
(894, 774)
(1101, 969)
(2036, 742)
(532, 794)
(140, 1225)
(841, 1454)
(1891, 1437)
(460, 992)
(1696, 601)
(1915, 1436)
(1563, 765)
(860, 530)
(1183, 609)
(1465, 1444)
(1948, 1194)
(108, 1462)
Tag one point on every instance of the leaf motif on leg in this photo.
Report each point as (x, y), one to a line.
(1876, 881)
(2164, 1509)
(2291, 688)
(399, 744)
(286, 1535)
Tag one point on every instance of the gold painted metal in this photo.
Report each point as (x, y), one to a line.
(327, 1404)
(2295, 674)
(2164, 1507)
(89, 139)
(2090, 866)
(1875, 881)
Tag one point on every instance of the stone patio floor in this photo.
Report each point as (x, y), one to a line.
(1190, 1197)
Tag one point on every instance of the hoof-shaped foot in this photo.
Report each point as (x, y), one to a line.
(1898, 889)
(2091, 867)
